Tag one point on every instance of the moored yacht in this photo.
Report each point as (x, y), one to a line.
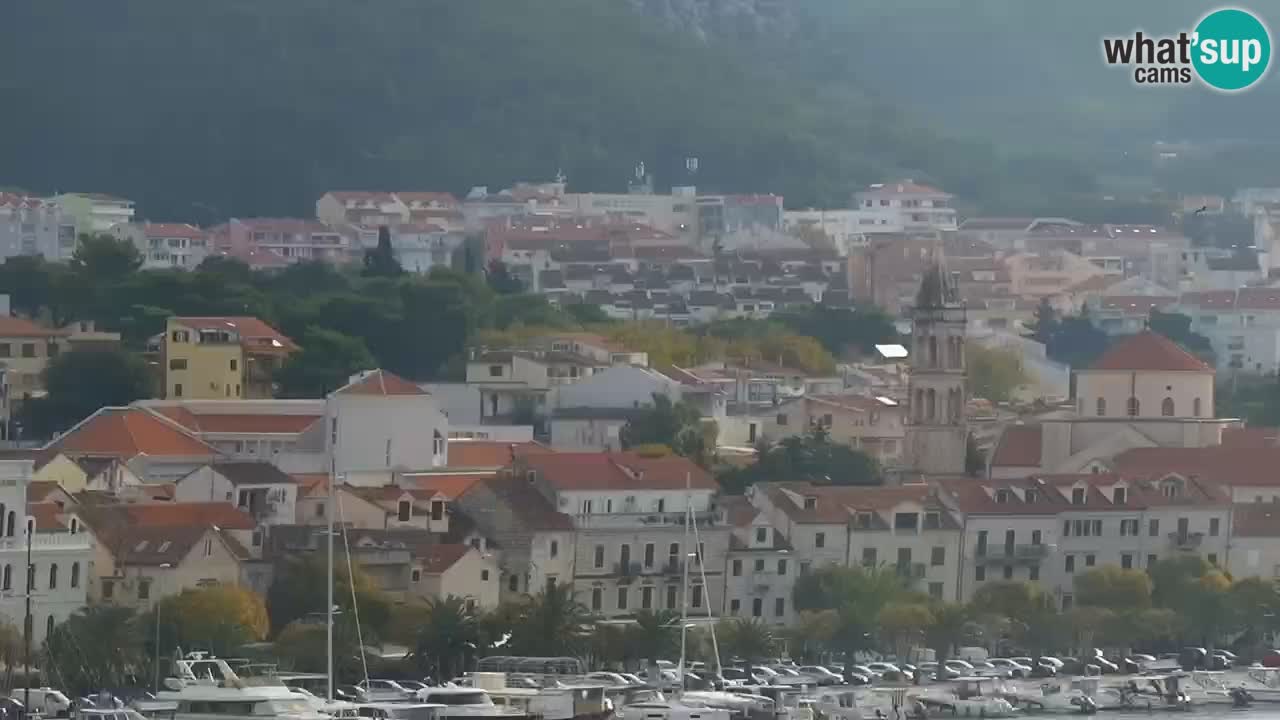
(457, 701)
(970, 697)
(206, 688)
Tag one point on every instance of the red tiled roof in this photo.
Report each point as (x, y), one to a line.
(1256, 520)
(1149, 351)
(1251, 437)
(255, 335)
(904, 186)
(380, 382)
(451, 486)
(834, 504)
(490, 453)
(1243, 466)
(738, 510)
(1019, 446)
(618, 471)
(261, 424)
(128, 432)
(311, 484)
(444, 198)
(361, 195)
(1210, 299)
(1096, 282)
(438, 558)
(48, 516)
(172, 230)
(39, 490)
(221, 514)
(1143, 304)
(1262, 298)
(11, 326)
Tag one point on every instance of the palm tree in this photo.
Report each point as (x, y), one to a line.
(749, 640)
(948, 629)
(448, 635)
(99, 646)
(551, 623)
(655, 635)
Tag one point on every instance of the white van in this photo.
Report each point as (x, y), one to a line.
(46, 701)
(972, 654)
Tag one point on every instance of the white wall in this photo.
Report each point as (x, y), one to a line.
(1149, 387)
(376, 431)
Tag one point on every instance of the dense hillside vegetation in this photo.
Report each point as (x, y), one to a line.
(203, 110)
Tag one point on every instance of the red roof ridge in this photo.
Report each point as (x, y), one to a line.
(1149, 350)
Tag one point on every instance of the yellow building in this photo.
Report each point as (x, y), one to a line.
(221, 357)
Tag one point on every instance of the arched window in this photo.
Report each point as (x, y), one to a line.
(1133, 407)
(53, 576)
(1102, 407)
(75, 525)
(1166, 407)
(932, 403)
(1195, 407)
(48, 627)
(75, 574)
(933, 351)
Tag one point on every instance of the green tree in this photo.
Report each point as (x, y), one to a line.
(994, 373)
(1078, 342)
(1014, 599)
(949, 625)
(28, 280)
(501, 279)
(841, 330)
(325, 363)
(1177, 327)
(552, 622)
(975, 460)
(749, 639)
(813, 632)
(78, 384)
(812, 457)
(676, 425)
(1254, 605)
(655, 634)
(102, 259)
(220, 619)
(109, 634)
(1045, 325)
(449, 634)
(293, 594)
(1113, 588)
(1173, 578)
(904, 624)
(380, 261)
(585, 314)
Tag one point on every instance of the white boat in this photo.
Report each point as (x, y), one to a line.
(836, 703)
(205, 688)
(1262, 684)
(388, 711)
(970, 697)
(550, 697)
(1149, 692)
(1075, 696)
(671, 710)
(456, 701)
(741, 703)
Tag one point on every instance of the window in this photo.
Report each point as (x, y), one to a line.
(208, 547)
(495, 371)
(1213, 526)
(779, 607)
(108, 586)
(1033, 572)
(177, 390)
(938, 556)
(320, 509)
(404, 510)
(1077, 496)
(48, 626)
(869, 557)
(233, 364)
(1118, 496)
(757, 607)
(8, 577)
(1035, 537)
(1212, 558)
(484, 576)
(5, 350)
(981, 549)
(53, 576)
(1195, 407)
(1166, 407)
(1151, 561)
(697, 597)
(1067, 601)
(762, 535)
(554, 549)
(513, 583)
(1002, 496)
(734, 605)
(597, 599)
(1153, 528)
(1070, 564)
(75, 574)
(1008, 572)
(1097, 528)
(144, 589)
(599, 558)
(1066, 528)
(1032, 495)
(804, 567)
(437, 510)
(671, 597)
(673, 555)
(782, 418)
(622, 598)
(1132, 407)
(935, 590)
(737, 568)
(416, 575)
(181, 336)
(178, 364)
(758, 566)
(648, 554)
(28, 350)
(980, 573)
(820, 540)
(1089, 560)
(1126, 561)
(782, 566)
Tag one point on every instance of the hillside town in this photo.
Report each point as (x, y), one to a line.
(521, 471)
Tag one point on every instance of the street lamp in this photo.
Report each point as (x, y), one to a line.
(156, 669)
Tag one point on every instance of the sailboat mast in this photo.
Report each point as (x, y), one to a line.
(684, 588)
(328, 606)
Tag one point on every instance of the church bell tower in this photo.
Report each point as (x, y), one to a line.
(937, 433)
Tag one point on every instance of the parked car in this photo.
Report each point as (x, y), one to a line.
(822, 675)
(350, 693)
(934, 671)
(1229, 659)
(867, 670)
(857, 678)
(1012, 668)
(1270, 658)
(385, 691)
(884, 667)
(959, 666)
(609, 678)
(736, 676)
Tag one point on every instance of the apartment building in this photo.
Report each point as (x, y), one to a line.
(760, 570)
(25, 351)
(165, 245)
(290, 239)
(221, 357)
(35, 226)
(919, 207)
(632, 538)
(95, 212)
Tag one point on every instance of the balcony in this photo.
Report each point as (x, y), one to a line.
(671, 567)
(1024, 553)
(1186, 540)
(634, 520)
(626, 572)
(47, 541)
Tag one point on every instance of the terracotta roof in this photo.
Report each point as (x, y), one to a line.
(39, 490)
(1243, 466)
(530, 508)
(1210, 299)
(835, 504)
(235, 423)
(252, 473)
(380, 382)
(172, 230)
(311, 484)
(1256, 520)
(490, 453)
(1019, 446)
(255, 335)
(1053, 494)
(450, 485)
(738, 510)
(996, 223)
(154, 546)
(379, 196)
(438, 558)
(618, 471)
(48, 516)
(16, 327)
(222, 514)
(1148, 350)
(1142, 304)
(1263, 298)
(443, 198)
(1251, 437)
(1095, 283)
(904, 186)
(128, 432)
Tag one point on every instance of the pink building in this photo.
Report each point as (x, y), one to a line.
(292, 239)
